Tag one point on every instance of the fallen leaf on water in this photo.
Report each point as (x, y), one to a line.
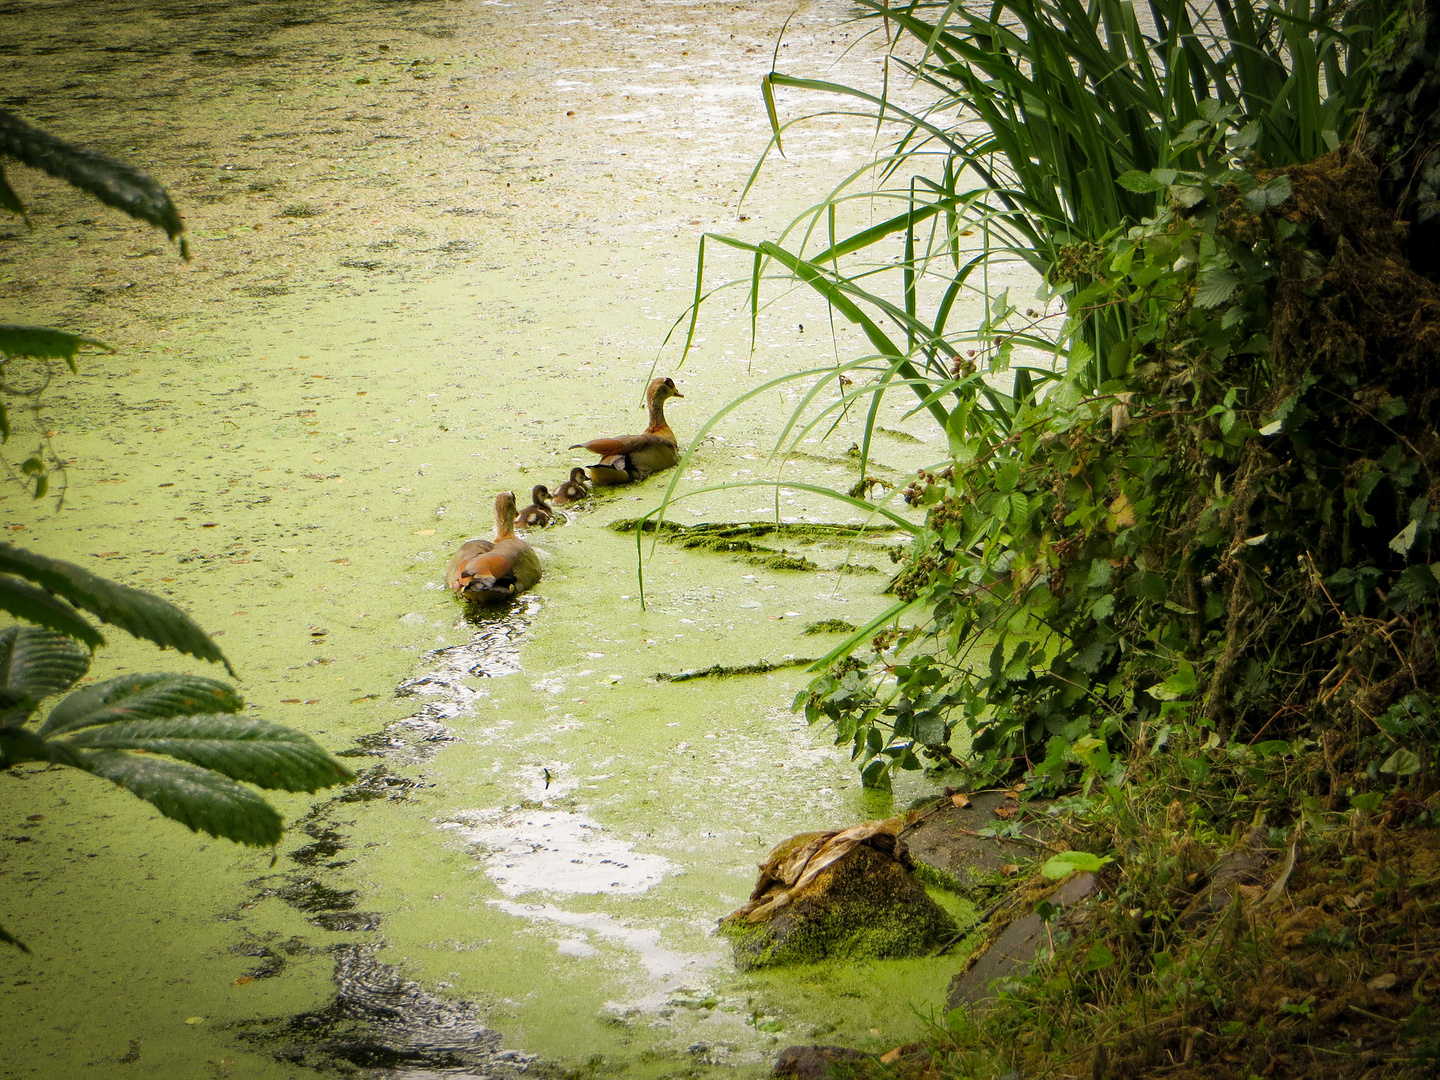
(106, 554)
(289, 701)
(890, 1056)
(960, 801)
(195, 1019)
(342, 562)
(312, 701)
(243, 979)
(426, 532)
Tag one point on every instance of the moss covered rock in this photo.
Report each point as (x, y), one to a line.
(849, 894)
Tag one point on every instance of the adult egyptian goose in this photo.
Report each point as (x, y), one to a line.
(629, 458)
(495, 571)
(573, 490)
(538, 514)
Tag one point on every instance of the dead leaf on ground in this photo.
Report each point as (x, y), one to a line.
(890, 1056)
(960, 801)
(1010, 869)
(1005, 813)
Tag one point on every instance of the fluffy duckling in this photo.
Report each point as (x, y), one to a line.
(538, 514)
(573, 490)
(628, 458)
(495, 571)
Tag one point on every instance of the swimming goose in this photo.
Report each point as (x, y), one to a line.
(629, 458)
(490, 572)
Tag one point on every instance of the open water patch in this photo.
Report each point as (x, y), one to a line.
(445, 691)
(556, 852)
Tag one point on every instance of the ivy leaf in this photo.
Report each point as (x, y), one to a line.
(133, 610)
(35, 663)
(154, 696)
(1402, 762)
(195, 797)
(240, 747)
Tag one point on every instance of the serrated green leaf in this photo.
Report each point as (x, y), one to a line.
(195, 797)
(35, 605)
(1214, 287)
(153, 696)
(112, 182)
(1187, 195)
(19, 744)
(35, 663)
(133, 610)
(241, 747)
(1142, 183)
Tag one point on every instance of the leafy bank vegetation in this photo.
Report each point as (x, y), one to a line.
(1179, 568)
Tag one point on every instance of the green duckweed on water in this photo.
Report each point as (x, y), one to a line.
(296, 430)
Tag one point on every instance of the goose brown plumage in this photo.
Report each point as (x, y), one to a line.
(573, 490)
(538, 514)
(493, 571)
(628, 458)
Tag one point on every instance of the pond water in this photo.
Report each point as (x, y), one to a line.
(434, 245)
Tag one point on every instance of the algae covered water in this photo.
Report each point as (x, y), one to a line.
(435, 244)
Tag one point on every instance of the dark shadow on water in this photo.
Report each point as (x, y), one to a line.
(378, 1019)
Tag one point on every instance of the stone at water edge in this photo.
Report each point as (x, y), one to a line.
(1013, 951)
(847, 894)
(815, 1062)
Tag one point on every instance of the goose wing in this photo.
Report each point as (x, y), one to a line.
(467, 552)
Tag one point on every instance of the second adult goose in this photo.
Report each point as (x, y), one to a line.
(495, 571)
(628, 458)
